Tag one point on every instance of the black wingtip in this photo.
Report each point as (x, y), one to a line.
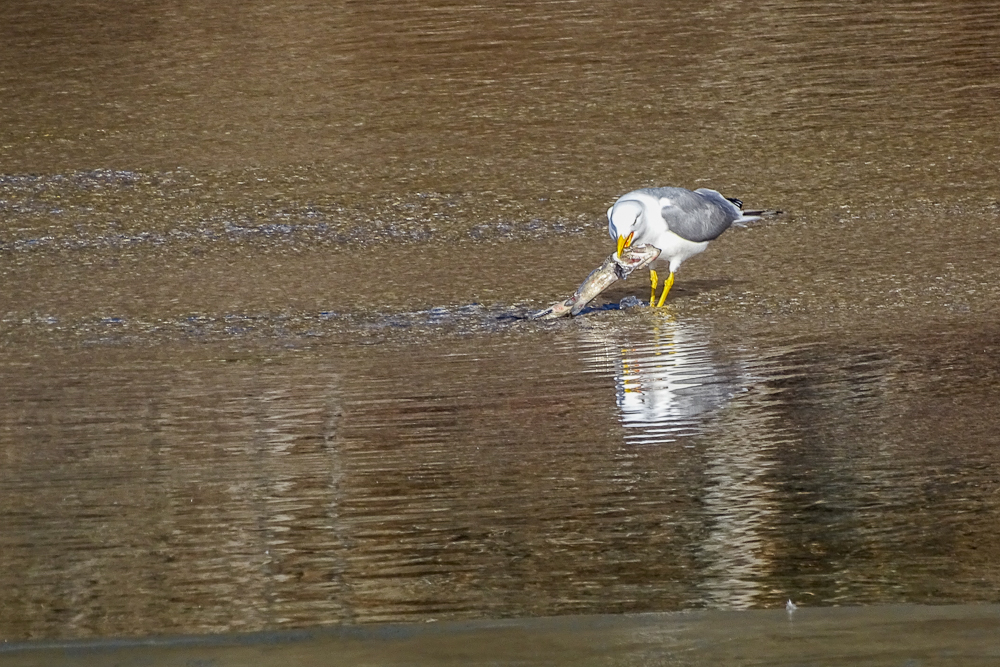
(738, 202)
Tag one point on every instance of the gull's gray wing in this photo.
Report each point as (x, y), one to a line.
(697, 216)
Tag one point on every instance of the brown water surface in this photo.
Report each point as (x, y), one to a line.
(264, 273)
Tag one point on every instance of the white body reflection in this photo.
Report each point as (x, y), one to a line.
(671, 387)
(665, 384)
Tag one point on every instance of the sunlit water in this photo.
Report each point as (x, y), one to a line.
(264, 279)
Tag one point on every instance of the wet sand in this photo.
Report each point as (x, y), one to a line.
(264, 361)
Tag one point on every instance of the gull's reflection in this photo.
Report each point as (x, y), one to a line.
(666, 381)
(672, 386)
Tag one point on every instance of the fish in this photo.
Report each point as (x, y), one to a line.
(615, 267)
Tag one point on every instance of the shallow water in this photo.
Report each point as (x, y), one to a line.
(625, 461)
(884, 635)
(264, 360)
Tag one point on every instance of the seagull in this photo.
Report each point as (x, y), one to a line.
(677, 221)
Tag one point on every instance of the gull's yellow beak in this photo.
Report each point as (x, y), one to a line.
(624, 242)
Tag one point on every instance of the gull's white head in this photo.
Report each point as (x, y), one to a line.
(624, 220)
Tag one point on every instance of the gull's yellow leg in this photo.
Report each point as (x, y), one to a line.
(653, 282)
(667, 284)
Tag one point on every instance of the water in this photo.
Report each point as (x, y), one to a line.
(640, 465)
(264, 360)
(884, 635)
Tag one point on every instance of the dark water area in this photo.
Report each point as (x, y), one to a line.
(265, 274)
